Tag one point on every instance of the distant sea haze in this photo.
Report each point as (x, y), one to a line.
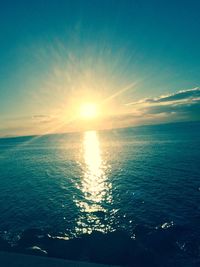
(143, 182)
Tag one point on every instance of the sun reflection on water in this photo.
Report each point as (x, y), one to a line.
(94, 186)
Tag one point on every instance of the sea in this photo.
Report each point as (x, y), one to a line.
(141, 182)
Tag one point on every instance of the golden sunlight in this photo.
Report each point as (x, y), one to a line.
(95, 187)
(88, 111)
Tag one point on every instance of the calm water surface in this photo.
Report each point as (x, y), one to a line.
(106, 180)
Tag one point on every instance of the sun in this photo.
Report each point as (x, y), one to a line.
(88, 111)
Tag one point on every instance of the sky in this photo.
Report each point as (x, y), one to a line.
(138, 60)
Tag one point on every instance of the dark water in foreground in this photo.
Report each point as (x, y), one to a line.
(139, 187)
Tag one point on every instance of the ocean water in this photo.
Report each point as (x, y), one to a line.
(78, 183)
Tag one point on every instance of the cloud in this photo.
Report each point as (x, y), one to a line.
(43, 118)
(183, 95)
(26, 125)
(181, 105)
(30, 119)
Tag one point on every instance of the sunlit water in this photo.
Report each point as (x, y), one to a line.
(94, 186)
(107, 180)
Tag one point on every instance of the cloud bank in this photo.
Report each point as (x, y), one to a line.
(179, 106)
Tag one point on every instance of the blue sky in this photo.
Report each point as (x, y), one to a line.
(56, 53)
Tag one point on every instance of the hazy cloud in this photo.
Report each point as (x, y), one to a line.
(23, 125)
(30, 119)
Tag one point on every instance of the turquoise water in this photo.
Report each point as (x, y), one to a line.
(102, 181)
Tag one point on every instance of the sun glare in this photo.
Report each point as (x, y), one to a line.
(88, 111)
